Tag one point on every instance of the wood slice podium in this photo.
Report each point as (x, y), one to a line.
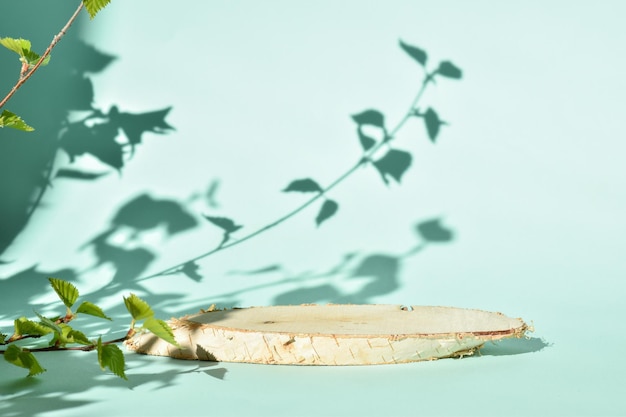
(331, 334)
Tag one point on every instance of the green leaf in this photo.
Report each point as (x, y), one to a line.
(366, 142)
(12, 120)
(370, 117)
(93, 310)
(433, 122)
(65, 290)
(394, 164)
(75, 336)
(31, 58)
(329, 208)
(224, 223)
(24, 359)
(24, 327)
(137, 307)
(160, 329)
(306, 185)
(16, 45)
(22, 48)
(67, 336)
(416, 53)
(448, 69)
(112, 357)
(50, 324)
(3, 338)
(433, 231)
(94, 6)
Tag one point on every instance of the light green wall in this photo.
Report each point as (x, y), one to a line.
(529, 175)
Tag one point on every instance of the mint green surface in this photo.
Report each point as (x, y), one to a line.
(529, 175)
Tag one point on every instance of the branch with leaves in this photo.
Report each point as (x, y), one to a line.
(31, 61)
(392, 165)
(65, 337)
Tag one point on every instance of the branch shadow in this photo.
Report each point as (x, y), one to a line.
(379, 272)
(58, 101)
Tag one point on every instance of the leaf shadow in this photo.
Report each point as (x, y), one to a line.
(25, 286)
(65, 119)
(26, 397)
(379, 272)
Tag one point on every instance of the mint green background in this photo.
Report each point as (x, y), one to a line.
(530, 176)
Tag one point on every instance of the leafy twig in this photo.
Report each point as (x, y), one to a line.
(86, 348)
(43, 57)
(109, 355)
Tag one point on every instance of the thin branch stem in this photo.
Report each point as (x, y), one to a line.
(85, 348)
(15, 338)
(54, 42)
(339, 180)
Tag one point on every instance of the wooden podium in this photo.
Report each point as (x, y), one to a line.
(331, 334)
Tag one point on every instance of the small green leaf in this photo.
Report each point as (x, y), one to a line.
(24, 359)
(75, 336)
(22, 48)
(31, 58)
(3, 338)
(224, 223)
(94, 6)
(49, 324)
(24, 327)
(394, 163)
(433, 231)
(370, 117)
(61, 339)
(306, 185)
(137, 307)
(366, 142)
(433, 123)
(93, 310)
(12, 120)
(16, 45)
(110, 356)
(329, 208)
(416, 53)
(160, 329)
(448, 69)
(65, 290)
